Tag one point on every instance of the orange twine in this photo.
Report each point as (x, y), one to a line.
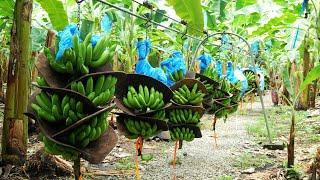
(175, 159)
(214, 131)
(138, 149)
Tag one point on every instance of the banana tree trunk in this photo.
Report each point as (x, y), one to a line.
(291, 142)
(312, 89)
(303, 102)
(15, 124)
(2, 61)
(286, 100)
(312, 94)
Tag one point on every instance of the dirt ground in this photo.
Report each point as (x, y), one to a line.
(237, 152)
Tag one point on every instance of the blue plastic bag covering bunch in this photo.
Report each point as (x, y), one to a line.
(255, 48)
(219, 68)
(225, 45)
(242, 78)
(205, 61)
(143, 66)
(106, 24)
(174, 63)
(230, 73)
(65, 39)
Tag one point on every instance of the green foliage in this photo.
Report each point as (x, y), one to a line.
(38, 37)
(6, 8)
(296, 172)
(242, 3)
(313, 75)
(286, 81)
(57, 14)
(190, 11)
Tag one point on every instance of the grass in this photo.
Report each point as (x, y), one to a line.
(248, 160)
(225, 178)
(307, 129)
(125, 164)
(279, 119)
(296, 172)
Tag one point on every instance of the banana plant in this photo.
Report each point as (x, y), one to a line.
(290, 84)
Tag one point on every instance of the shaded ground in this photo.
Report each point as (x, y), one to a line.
(238, 154)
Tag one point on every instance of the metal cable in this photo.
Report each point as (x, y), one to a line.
(146, 19)
(182, 22)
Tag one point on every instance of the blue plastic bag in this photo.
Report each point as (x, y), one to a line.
(255, 48)
(205, 61)
(143, 66)
(219, 68)
(175, 63)
(230, 73)
(65, 39)
(106, 24)
(94, 39)
(238, 73)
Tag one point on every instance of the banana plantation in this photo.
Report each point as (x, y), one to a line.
(160, 89)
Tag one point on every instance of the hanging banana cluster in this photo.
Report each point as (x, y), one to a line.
(143, 99)
(100, 90)
(185, 115)
(186, 96)
(144, 102)
(74, 112)
(82, 57)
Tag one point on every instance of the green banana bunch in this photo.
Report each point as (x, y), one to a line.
(161, 114)
(251, 78)
(99, 92)
(184, 96)
(82, 55)
(211, 73)
(218, 94)
(100, 54)
(208, 86)
(89, 132)
(233, 109)
(53, 108)
(177, 75)
(143, 99)
(178, 116)
(73, 59)
(138, 128)
(183, 133)
(236, 93)
(56, 149)
(222, 113)
(215, 107)
(225, 85)
(41, 81)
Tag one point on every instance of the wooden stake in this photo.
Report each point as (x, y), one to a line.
(77, 169)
